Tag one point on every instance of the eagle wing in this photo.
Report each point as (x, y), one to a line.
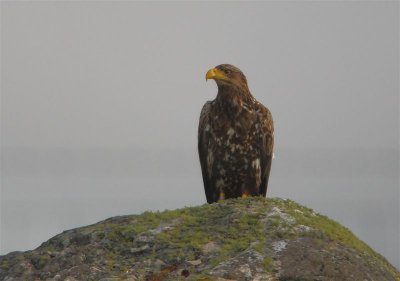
(203, 142)
(266, 146)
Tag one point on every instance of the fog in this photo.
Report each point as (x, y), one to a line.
(100, 104)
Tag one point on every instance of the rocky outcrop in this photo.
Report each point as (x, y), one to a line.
(239, 239)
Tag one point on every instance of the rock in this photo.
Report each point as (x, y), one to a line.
(252, 239)
(80, 239)
(241, 267)
(140, 249)
(279, 246)
(195, 263)
(70, 279)
(210, 247)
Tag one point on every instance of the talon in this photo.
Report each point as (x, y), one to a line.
(245, 195)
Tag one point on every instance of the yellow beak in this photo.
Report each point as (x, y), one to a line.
(215, 74)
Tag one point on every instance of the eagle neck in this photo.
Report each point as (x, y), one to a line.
(232, 98)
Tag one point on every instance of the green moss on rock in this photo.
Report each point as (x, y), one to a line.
(237, 239)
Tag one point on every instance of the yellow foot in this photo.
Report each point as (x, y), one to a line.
(221, 196)
(245, 195)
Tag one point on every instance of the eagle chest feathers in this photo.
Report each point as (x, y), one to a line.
(233, 158)
(235, 139)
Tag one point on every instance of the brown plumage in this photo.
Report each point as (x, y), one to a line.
(235, 140)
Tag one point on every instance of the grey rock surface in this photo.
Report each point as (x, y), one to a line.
(239, 239)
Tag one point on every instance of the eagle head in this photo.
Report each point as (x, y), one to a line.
(227, 75)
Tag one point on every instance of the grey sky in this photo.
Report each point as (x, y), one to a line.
(129, 73)
(129, 76)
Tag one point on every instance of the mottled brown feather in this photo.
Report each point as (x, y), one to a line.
(235, 140)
